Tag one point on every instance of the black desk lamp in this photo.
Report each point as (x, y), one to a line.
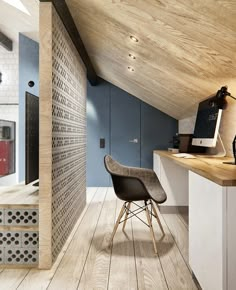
(234, 152)
(234, 149)
(219, 100)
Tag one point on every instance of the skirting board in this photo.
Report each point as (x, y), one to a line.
(173, 209)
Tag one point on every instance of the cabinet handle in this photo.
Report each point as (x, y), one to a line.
(133, 141)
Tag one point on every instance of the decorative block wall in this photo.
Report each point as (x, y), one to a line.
(63, 144)
(19, 247)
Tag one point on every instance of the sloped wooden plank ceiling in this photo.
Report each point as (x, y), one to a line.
(186, 49)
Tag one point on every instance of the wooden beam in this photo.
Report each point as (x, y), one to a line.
(65, 15)
(6, 42)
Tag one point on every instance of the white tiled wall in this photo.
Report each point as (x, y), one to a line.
(9, 67)
(9, 93)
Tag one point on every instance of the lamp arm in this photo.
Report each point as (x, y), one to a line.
(232, 97)
(234, 149)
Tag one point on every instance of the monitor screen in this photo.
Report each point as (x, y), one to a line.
(207, 124)
(31, 138)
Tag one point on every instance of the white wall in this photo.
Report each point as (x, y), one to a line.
(227, 126)
(9, 93)
(186, 126)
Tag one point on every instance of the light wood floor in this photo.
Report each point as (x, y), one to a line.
(87, 262)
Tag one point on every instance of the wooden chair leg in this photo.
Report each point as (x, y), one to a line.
(117, 222)
(157, 218)
(126, 215)
(151, 228)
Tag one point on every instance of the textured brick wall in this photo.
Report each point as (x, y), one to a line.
(68, 135)
(62, 177)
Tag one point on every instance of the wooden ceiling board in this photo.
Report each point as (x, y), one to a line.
(166, 65)
(186, 48)
(132, 86)
(150, 82)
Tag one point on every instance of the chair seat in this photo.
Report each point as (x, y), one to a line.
(151, 183)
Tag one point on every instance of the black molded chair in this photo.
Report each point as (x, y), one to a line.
(136, 184)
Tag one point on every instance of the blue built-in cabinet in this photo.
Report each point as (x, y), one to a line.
(131, 128)
(28, 71)
(98, 126)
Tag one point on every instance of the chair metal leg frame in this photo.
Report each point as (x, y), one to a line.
(157, 217)
(135, 213)
(150, 227)
(129, 214)
(126, 215)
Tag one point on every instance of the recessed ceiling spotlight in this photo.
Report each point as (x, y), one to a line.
(132, 56)
(130, 68)
(133, 38)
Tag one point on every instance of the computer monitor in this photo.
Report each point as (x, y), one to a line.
(207, 124)
(31, 137)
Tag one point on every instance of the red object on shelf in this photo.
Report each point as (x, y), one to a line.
(5, 157)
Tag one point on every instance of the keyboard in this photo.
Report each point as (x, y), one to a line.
(184, 155)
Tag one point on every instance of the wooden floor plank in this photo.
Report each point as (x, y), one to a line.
(179, 233)
(39, 280)
(11, 278)
(184, 219)
(123, 268)
(97, 266)
(90, 192)
(70, 269)
(87, 262)
(175, 269)
(149, 270)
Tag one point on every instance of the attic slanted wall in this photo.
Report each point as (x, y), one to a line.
(156, 129)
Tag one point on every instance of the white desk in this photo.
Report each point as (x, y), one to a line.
(209, 187)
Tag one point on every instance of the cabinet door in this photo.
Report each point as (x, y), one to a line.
(207, 232)
(4, 157)
(98, 104)
(174, 180)
(125, 127)
(157, 165)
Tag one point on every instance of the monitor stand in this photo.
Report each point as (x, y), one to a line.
(36, 183)
(216, 152)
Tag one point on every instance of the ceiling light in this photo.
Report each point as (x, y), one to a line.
(130, 68)
(133, 38)
(132, 56)
(18, 5)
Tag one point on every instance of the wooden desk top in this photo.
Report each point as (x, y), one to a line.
(19, 194)
(210, 168)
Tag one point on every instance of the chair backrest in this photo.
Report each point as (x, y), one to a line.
(114, 167)
(126, 187)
